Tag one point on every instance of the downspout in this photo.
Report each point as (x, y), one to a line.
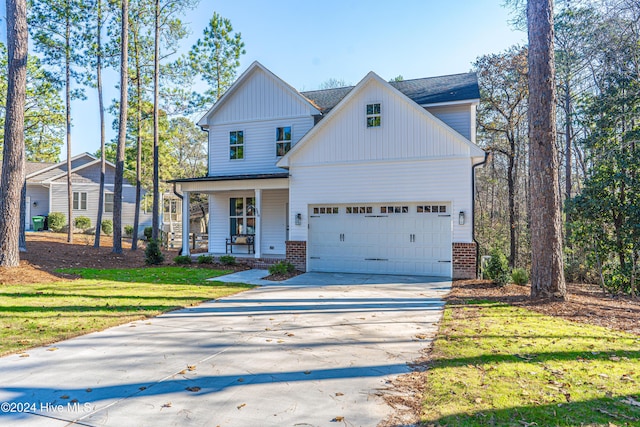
(473, 212)
(208, 149)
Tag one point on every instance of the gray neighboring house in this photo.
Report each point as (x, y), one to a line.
(47, 191)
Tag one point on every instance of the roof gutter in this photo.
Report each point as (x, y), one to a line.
(473, 212)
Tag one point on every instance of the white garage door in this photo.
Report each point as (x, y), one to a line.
(390, 238)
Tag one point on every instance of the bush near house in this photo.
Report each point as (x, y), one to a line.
(107, 227)
(148, 232)
(82, 222)
(182, 259)
(228, 259)
(283, 267)
(205, 259)
(57, 221)
(519, 276)
(153, 254)
(498, 267)
(128, 230)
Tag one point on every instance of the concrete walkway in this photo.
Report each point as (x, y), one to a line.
(280, 355)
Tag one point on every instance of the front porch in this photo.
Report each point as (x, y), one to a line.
(255, 205)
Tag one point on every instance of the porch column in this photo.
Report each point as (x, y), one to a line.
(257, 238)
(186, 213)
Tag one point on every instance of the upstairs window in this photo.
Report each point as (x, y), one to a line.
(236, 145)
(373, 115)
(283, 140)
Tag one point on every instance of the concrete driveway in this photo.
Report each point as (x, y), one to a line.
(311, 352)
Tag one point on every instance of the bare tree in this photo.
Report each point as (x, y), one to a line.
(547, 265)
(122, 129)
(13, 150)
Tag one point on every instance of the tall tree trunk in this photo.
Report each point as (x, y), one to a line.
(567, 155)
(156, 153)
(22, 241)
(136, 219)
(12, 181)
(67, 90)
(122, 129)
(102, 126)
(547, 265)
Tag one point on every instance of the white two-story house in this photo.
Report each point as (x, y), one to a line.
(375, 178)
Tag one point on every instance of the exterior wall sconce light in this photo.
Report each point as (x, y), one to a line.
(298, 218)
(35, 204)
(461, 218)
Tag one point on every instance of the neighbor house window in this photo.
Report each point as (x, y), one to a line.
(108, 202)
(236, 145)
(373, 115)
(242, 215)
(79, 201)
(283, 140)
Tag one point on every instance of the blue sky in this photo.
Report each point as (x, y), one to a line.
(306, 43)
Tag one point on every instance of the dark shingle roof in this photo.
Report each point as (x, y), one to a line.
(31, 167)
(429, 90)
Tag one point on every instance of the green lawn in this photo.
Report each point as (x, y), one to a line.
(495, 364)
(37, 314)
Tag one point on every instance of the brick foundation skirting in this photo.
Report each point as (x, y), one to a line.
(297, 253)
(464, 260)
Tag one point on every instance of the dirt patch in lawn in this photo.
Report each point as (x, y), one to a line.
(47, 252)
(585, 303)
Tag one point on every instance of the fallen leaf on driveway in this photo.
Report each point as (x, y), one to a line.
(241, 406)
(339, 394)
(89, 390)
(193, 389)
(167, 405)
(24, 355)
(421, 336)
(191, 367)
(307, 372)
(240, 380)
(52, 348)
(64, 397)
(337, 419)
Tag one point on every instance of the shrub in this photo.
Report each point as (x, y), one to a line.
(82, 222)
(205, 259)
(57, 221)
(519, 276)
(148, 232)
(228, 259)
(498, 267)
(283, 267)
(182, 259)
(153, 255)
(128, 230)
(107, 227)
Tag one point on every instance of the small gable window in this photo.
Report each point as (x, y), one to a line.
(373, 115)
(236, 145)
(283, 140)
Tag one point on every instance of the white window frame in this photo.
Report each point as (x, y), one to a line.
(248, 212)
(236, 145)
(283, 142)
(376, 112)
(79, 200)
(105, 209)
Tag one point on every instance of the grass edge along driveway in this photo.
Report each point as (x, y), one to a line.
(495, 364)
(33, 315)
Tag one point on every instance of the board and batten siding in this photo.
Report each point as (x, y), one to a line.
(444, 180)
(406, 132)
(258, 106)
(261, 96)
(59, 203)
(259, 145)
(273, 220)
(460, 117)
